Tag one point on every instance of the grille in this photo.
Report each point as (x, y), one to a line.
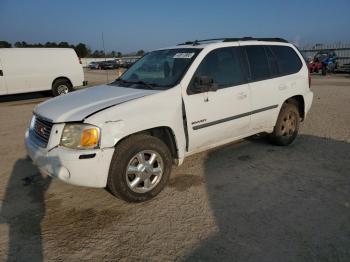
(41, 131)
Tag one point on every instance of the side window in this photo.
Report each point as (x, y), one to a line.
(259, 67)
(223, 66)
(288, 61)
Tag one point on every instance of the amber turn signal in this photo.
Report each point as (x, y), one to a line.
(89, 138)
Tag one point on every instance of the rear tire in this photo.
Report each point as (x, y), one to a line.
(287, 125)
(61, 87)
(133, 176)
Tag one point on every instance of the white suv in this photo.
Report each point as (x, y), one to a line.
(172, 103)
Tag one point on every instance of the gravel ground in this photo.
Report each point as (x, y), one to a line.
(247, 201)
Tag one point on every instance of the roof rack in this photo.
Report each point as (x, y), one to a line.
(198, 42)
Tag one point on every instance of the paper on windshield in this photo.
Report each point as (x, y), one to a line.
(184, 55)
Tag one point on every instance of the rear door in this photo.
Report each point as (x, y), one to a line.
(273, 79)
(213, 117)
(264, 88)
(3, 90)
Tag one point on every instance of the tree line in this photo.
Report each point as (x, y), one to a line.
(81, 49)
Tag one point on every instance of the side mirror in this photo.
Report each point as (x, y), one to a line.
(203, 84)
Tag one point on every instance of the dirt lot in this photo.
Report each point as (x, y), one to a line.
(248, 201)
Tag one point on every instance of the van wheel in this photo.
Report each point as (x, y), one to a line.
(140, 168)
(61, 87)
(287, 125)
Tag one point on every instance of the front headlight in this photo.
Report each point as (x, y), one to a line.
(80, 136)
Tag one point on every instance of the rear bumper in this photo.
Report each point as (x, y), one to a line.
(65, 164)
(308, 97)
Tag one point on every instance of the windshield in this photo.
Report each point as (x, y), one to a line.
(159, 69)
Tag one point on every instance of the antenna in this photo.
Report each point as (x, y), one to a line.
(104, 52)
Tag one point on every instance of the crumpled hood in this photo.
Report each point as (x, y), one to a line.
(78, 105)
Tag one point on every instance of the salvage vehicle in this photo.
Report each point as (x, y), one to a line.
(127, 135)
(110, 64)
(324, 61)
(24, 70)
(94, 65)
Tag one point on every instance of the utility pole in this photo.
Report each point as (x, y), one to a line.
(104, 51)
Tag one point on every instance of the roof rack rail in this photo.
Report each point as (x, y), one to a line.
(197, 42)
(272, 39)
(267, 39)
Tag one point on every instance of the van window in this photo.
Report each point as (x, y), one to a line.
(259, 67)
(223, 66)
(288, 61)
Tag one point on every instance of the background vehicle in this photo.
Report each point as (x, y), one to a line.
(25, 70)
(110, 64)
(94, 65)
(324, 61)
(192, 97)
(128, 62)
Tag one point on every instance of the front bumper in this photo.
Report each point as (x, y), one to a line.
(65, 164)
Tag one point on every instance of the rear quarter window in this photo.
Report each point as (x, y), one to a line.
(287, 59)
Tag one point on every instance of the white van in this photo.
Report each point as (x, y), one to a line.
(24, 70)
(170, 104)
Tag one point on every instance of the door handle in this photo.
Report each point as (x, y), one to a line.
(242, 95)
(1, 73)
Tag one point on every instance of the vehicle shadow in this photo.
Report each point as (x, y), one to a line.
(26, 96)
(278, 203)
(23, 209)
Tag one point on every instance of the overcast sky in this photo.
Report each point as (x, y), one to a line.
(130, 25)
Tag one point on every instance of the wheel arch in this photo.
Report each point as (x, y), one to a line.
(164, 133)
(61, 78)
(299, 101)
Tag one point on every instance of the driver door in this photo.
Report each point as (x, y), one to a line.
(215, 117)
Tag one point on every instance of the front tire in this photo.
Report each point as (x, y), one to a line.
(140, 168)
(287, 125)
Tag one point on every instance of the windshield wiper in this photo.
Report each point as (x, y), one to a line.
(119, 80)
(140, 82)
(148, 85)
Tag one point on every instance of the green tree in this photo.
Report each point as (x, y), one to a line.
(98, 54)
(113, 53)
(21, 44)
(88, 52)
(81, 50)
(5, 44)
(18, 44)
(119, 54)
(51, 44)
(140, 52)
(63, 44)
